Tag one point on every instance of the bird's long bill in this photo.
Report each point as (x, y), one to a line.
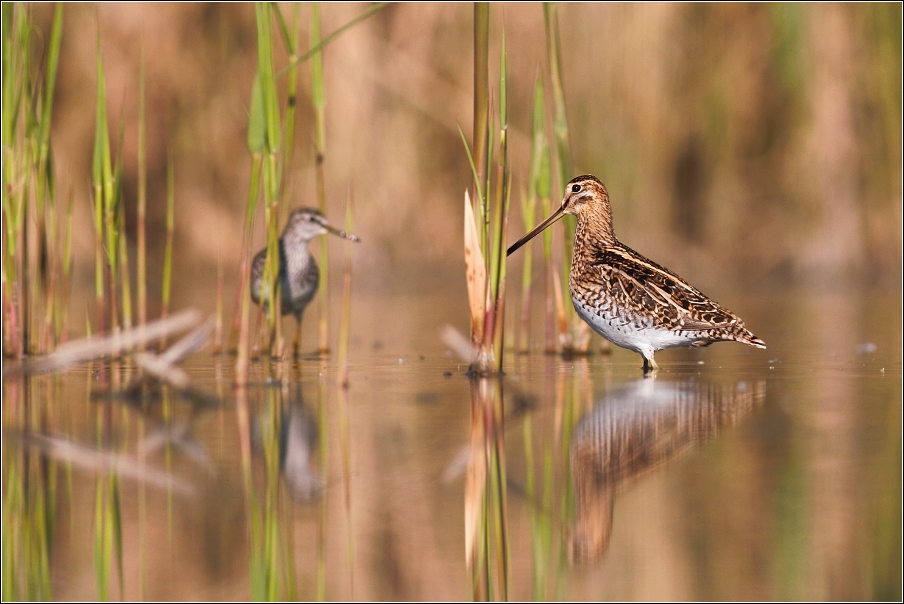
(537, 230)
(342, 234)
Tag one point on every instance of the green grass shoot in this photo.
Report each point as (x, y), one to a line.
(141, 261)
(168, 248)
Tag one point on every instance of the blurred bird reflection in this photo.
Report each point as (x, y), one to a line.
(636, 429)
(298, 439)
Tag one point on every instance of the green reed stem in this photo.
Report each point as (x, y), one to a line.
(28, 183)
(170, 230)
(50, 75)
(291, 105)
(528, 211)
(123, 251)
(125, 275)
(23, 231)
(268, 107)
(267, 77)
(482, 107)
(44, 176)
(562, 149)
(112, 213)
(538, 188)
(256, 142)
(141, 261)
(50, 272)
(244, 315)
(99, 170)
(316, 48)
(499, 306)
(62, 301)
(497, 242)
(271, 266)
(106, 204)
(484, 158)
(503, 200)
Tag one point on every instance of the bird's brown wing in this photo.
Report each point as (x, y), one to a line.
(646, 289)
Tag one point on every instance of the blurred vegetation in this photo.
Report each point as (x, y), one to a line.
(741, 143)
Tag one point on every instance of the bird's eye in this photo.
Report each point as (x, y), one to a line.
(575, 188)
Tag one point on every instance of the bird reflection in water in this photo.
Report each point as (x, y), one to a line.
(298, 437)
(636, 429)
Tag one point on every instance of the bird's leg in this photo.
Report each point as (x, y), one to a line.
(272, 340)
(649, 364)
(297, 346)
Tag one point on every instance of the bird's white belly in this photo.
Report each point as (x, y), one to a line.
(640, 336)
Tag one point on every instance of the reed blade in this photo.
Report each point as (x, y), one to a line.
(141, 261)
(321, 44)
(475, 271)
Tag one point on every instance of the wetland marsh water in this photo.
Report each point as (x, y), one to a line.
(734, 474)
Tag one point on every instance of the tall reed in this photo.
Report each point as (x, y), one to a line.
(31, 263)
(29, 498)
(485, 225)
(141, 260)
(574, 333)
(112, 286)
(538, 189)
(262, 140)
(166, 289)
(486, 543)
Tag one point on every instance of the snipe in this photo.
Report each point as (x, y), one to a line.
(629, 300)
(298, 272)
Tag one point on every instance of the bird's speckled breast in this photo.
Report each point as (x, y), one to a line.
(302, 278)
(633, 333)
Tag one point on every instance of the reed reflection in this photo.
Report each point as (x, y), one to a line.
(636, 429)
(486, 538)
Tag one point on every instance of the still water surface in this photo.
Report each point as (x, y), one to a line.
(734, 474)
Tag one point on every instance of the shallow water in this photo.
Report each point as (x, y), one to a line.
(733, 474)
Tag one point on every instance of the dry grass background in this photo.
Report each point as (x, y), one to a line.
(748, 144)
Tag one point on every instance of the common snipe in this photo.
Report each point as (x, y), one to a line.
(629, 300)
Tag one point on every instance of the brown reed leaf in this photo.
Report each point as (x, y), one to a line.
(475, 269)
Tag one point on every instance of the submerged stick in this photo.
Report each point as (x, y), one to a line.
(164, 367)
(105, 461)
(96, 347)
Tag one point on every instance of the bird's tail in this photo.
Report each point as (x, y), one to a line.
(746, 337)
